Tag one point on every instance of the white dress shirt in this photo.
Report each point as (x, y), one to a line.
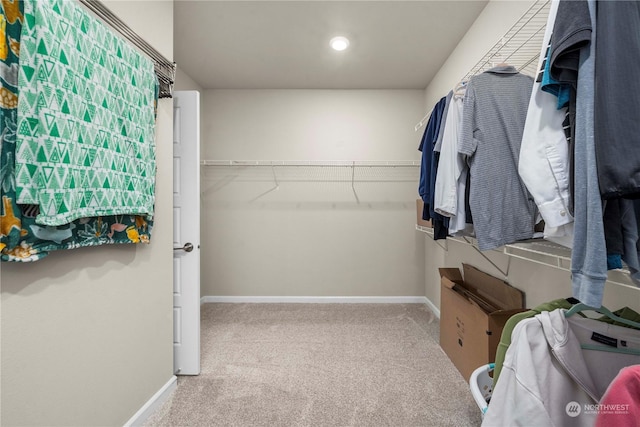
(452, 170)
(544, 154)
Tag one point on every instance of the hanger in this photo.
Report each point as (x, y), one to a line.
(578, 308)
(602, 310)
(460, 88)
(497, 60)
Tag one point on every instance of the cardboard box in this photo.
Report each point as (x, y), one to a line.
(419, 220)
(473, 311)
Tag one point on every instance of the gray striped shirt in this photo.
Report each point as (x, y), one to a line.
(495, 109)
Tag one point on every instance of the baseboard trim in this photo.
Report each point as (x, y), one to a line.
(432, 307)
(152, 404)
(316, 300)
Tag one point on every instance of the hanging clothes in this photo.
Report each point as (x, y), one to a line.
(617, 90)
(438, 145)
(544, 154)
(495, 109)
(572, 32)
(507, 332)
(428, 137)
(588, 256)
(620, 405)
(509, 326)
(547, 376)
(621, 235)
(451, 180)
(613, 233)
(428, 170)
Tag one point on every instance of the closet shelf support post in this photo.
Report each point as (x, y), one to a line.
(505, 273)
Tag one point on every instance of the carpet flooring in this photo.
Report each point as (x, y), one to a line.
(320, 365)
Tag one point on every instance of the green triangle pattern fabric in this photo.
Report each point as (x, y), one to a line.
(21, 239)
(85, 111)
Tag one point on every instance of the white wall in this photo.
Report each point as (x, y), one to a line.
(183, 81)
(540, 283)
(87, 334)
(311, 124)
(310, 238)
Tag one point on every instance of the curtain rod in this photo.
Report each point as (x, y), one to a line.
(165, 69)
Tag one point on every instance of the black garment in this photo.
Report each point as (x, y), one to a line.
(636, 208)
(440, 229)
(440, 222)
(613, 229)
(569, 126)
(467, 207)
(617, 98)
(571, 32)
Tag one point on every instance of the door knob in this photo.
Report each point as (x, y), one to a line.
(188, 247)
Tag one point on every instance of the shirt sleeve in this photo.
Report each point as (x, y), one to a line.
(571, 32)
(468, 143)
(446, 195)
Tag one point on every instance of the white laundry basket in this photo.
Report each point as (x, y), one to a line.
(482, 386)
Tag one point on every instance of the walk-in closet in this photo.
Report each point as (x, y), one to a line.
(328, 213)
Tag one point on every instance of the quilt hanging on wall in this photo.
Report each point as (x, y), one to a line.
(77, 153)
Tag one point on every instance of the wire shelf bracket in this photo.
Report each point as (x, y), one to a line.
(538, 251)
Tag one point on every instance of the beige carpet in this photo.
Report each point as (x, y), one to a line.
(320, 365)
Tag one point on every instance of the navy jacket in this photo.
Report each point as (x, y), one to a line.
(429, 168)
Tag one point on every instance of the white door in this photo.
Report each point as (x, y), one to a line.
(186, 233)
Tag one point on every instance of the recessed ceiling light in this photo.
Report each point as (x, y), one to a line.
(339, 43)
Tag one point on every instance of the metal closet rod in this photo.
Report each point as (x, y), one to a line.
(165, 69)
(301, 163)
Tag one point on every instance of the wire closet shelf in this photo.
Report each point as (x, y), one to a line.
(519, 47)
(521, 44)
(345, 174)
(538, 251)
(317, 171)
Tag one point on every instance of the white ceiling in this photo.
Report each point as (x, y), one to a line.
(285, 44)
